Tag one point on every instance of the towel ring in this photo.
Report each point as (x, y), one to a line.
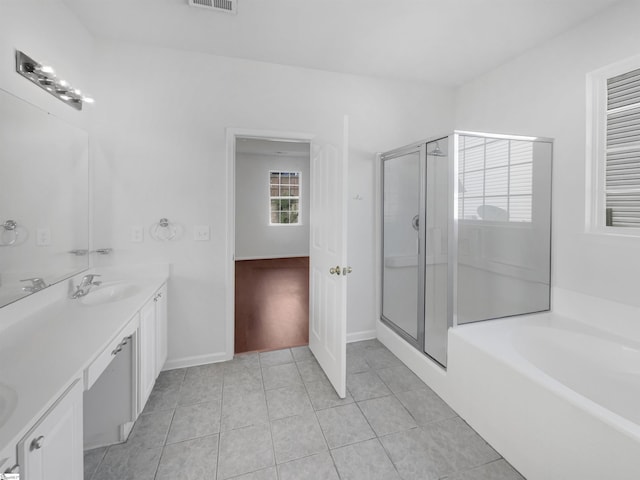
(10, 232)
(164, 230)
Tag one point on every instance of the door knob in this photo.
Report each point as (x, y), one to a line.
(335, 270)
(36, 443)
(346, 270)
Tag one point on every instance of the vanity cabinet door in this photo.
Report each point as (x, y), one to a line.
(52, 450)
(153, 343)
(148, 349)
(160, 299)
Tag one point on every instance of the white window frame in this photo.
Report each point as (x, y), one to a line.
(298, 197)
(595, 218)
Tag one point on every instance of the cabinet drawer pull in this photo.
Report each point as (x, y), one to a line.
(36, 443)
(117, 350)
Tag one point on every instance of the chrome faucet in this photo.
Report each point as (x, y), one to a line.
(37, 283)
(85, 285)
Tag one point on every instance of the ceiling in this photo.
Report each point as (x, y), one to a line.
(257, 146)
(445, 42)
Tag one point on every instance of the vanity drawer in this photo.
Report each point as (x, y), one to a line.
(99, 365)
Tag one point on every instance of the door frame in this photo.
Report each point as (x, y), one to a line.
(232, 135)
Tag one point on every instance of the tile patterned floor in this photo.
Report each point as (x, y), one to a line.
(274, 416)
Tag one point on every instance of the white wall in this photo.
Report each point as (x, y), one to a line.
(543, 92)
(159, 148)
(255, 237)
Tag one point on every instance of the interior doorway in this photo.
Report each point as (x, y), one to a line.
(271, 244)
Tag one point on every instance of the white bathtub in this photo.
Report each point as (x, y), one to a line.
(599, 366)
(558, 398)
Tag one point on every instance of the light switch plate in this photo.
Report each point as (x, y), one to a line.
(202, 233)
(43, 237)
(137, 234)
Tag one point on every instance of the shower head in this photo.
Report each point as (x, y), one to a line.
(436, 152)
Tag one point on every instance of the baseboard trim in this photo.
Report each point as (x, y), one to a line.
(125, 430)
(271, 257)
(196, 360)
(223, 357)
(359, 336)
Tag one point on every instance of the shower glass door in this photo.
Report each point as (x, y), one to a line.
(403, 214)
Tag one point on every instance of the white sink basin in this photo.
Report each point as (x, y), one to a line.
(8, 402)
(109, 292)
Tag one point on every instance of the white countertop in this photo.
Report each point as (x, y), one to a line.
(42, 353)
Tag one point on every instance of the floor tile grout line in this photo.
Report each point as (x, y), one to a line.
(164, 444)
(333, 461)
(215, 474)
(264, 391)
(478, 466)
(222, 414)
(99, 463)
(315, 413)
(388, 453)
(377, 437)
(155, 474)
(273, 445)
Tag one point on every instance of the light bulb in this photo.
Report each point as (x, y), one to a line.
(47, 69)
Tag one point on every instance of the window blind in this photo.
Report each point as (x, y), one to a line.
(495, 180)
(622, 176)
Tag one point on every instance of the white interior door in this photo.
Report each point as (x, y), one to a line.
(328, 257)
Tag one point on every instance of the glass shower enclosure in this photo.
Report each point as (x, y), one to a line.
(466, 234)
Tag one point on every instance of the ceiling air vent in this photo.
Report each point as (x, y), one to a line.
(227, 6)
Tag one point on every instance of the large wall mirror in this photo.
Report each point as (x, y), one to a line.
(44, 199)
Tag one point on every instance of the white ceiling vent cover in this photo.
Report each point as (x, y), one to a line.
(227, 6)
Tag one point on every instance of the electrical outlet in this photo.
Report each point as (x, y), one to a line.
(201, 233)
(137, 234)
(43, 237)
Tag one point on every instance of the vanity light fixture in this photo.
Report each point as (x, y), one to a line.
(45, 77)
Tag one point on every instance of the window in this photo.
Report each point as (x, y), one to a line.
(615, 147)
(495, 179)
(284, 198)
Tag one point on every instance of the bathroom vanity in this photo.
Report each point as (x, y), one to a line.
(100, 354)
(79, 353)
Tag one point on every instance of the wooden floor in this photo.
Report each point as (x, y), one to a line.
(272, 304)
